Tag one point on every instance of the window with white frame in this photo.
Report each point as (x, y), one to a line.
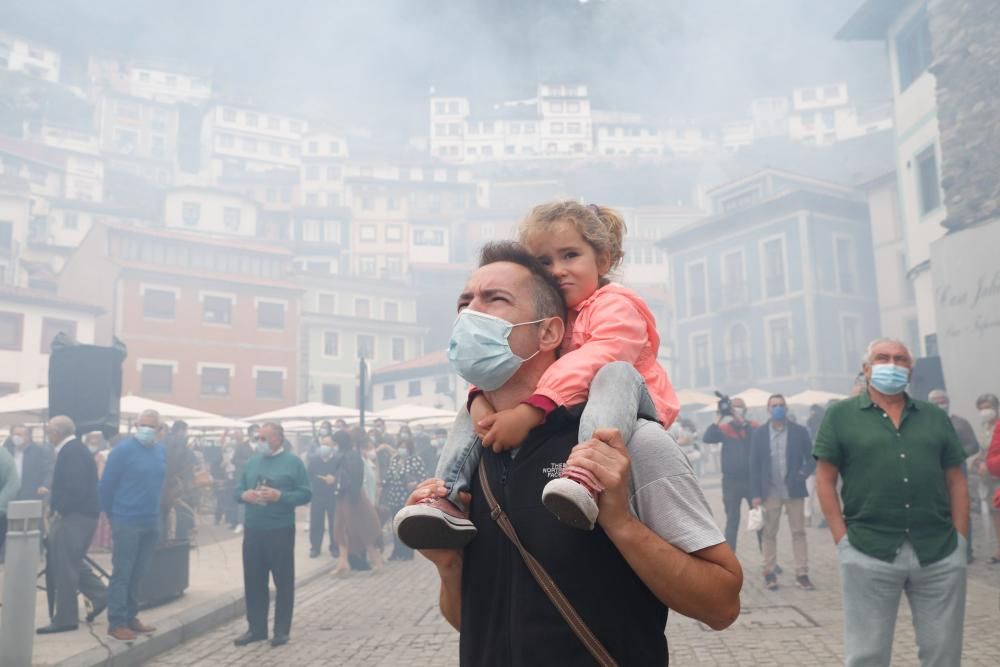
(388, 392)
(216, 309)
(913, 49)
(393, 232)
(366, 265)
(398, 349)
(847, 279)
(414, 388)
(775, 277)
(442, 384)
(158, 304)
(779, 335)
(156, 378)
(366, 346)
(331, 344)
(270, 383)
(214, 381)
(701, 364)
(738, 353)
(391, 311)
(852, 342)
(697, 289)
(367, 232)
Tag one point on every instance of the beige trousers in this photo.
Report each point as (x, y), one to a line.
(794, 508)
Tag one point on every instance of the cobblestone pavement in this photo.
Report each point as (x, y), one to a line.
(392, 619)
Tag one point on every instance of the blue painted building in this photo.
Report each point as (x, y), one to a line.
(776, 289)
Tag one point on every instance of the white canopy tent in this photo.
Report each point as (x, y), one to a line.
(310, 412)
(814, 397)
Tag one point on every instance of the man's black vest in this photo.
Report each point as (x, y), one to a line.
(506, 617)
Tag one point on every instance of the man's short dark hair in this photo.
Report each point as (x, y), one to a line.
(774, 396)
(549, 299)
(179, 426)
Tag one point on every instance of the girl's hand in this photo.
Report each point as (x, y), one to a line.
(507, 429)
(480, 410)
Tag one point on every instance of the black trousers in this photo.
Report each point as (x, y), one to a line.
(733, 493)
(269, 552)
(321, 511)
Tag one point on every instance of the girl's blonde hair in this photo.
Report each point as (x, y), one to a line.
(601, 227)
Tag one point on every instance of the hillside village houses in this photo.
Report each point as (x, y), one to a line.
(248, 256)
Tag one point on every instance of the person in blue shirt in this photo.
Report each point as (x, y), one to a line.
(130, 495)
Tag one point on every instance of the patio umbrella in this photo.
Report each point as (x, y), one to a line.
(217, 423)
(29, 405)
(690, 397)
(133, 406)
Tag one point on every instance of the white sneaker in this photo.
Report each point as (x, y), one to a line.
(238, 529)
(571, 502)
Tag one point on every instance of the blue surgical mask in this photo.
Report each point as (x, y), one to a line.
(779, 412)
(261, 447)
(889, 379)
(480, 352)
(145, 435)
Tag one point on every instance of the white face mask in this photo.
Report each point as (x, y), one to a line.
(17, 440)
(988, 415)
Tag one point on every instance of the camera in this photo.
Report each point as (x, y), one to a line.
(725, 404)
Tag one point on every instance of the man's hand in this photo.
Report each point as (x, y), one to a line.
(269, 495)
(328, 479)
(606, 458)
(250, 497)
(757, 502)
(42, 491)
(435, 488)
(507, 429)
(478, 411)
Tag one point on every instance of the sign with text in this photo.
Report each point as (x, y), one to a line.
(966, 276)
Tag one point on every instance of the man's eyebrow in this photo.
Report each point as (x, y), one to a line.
(497, 291)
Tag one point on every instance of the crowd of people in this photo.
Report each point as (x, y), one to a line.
(575, 428)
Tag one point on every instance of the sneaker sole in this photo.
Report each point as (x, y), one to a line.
(571, 503)
(423, 528)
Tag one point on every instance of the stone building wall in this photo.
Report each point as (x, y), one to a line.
(967, 67)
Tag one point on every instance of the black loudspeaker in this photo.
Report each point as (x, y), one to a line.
(926, 377)
(85, 384)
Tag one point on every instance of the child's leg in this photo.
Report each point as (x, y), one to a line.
(618, 395)
(459, 458)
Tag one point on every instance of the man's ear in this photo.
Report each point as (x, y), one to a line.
(552, 332)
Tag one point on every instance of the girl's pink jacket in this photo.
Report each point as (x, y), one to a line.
(613, 324)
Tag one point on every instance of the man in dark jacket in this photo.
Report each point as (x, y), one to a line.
(735, 438)
(33, 465)
(780, 462)
(323, 474)
(75, 509)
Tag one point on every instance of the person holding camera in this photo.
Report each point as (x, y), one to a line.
(735, 437)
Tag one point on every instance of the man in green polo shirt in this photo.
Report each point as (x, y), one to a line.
(905, 513)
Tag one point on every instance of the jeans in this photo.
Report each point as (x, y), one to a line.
(734, 491)
(872, 589)
(618, 395)
(132, 552)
